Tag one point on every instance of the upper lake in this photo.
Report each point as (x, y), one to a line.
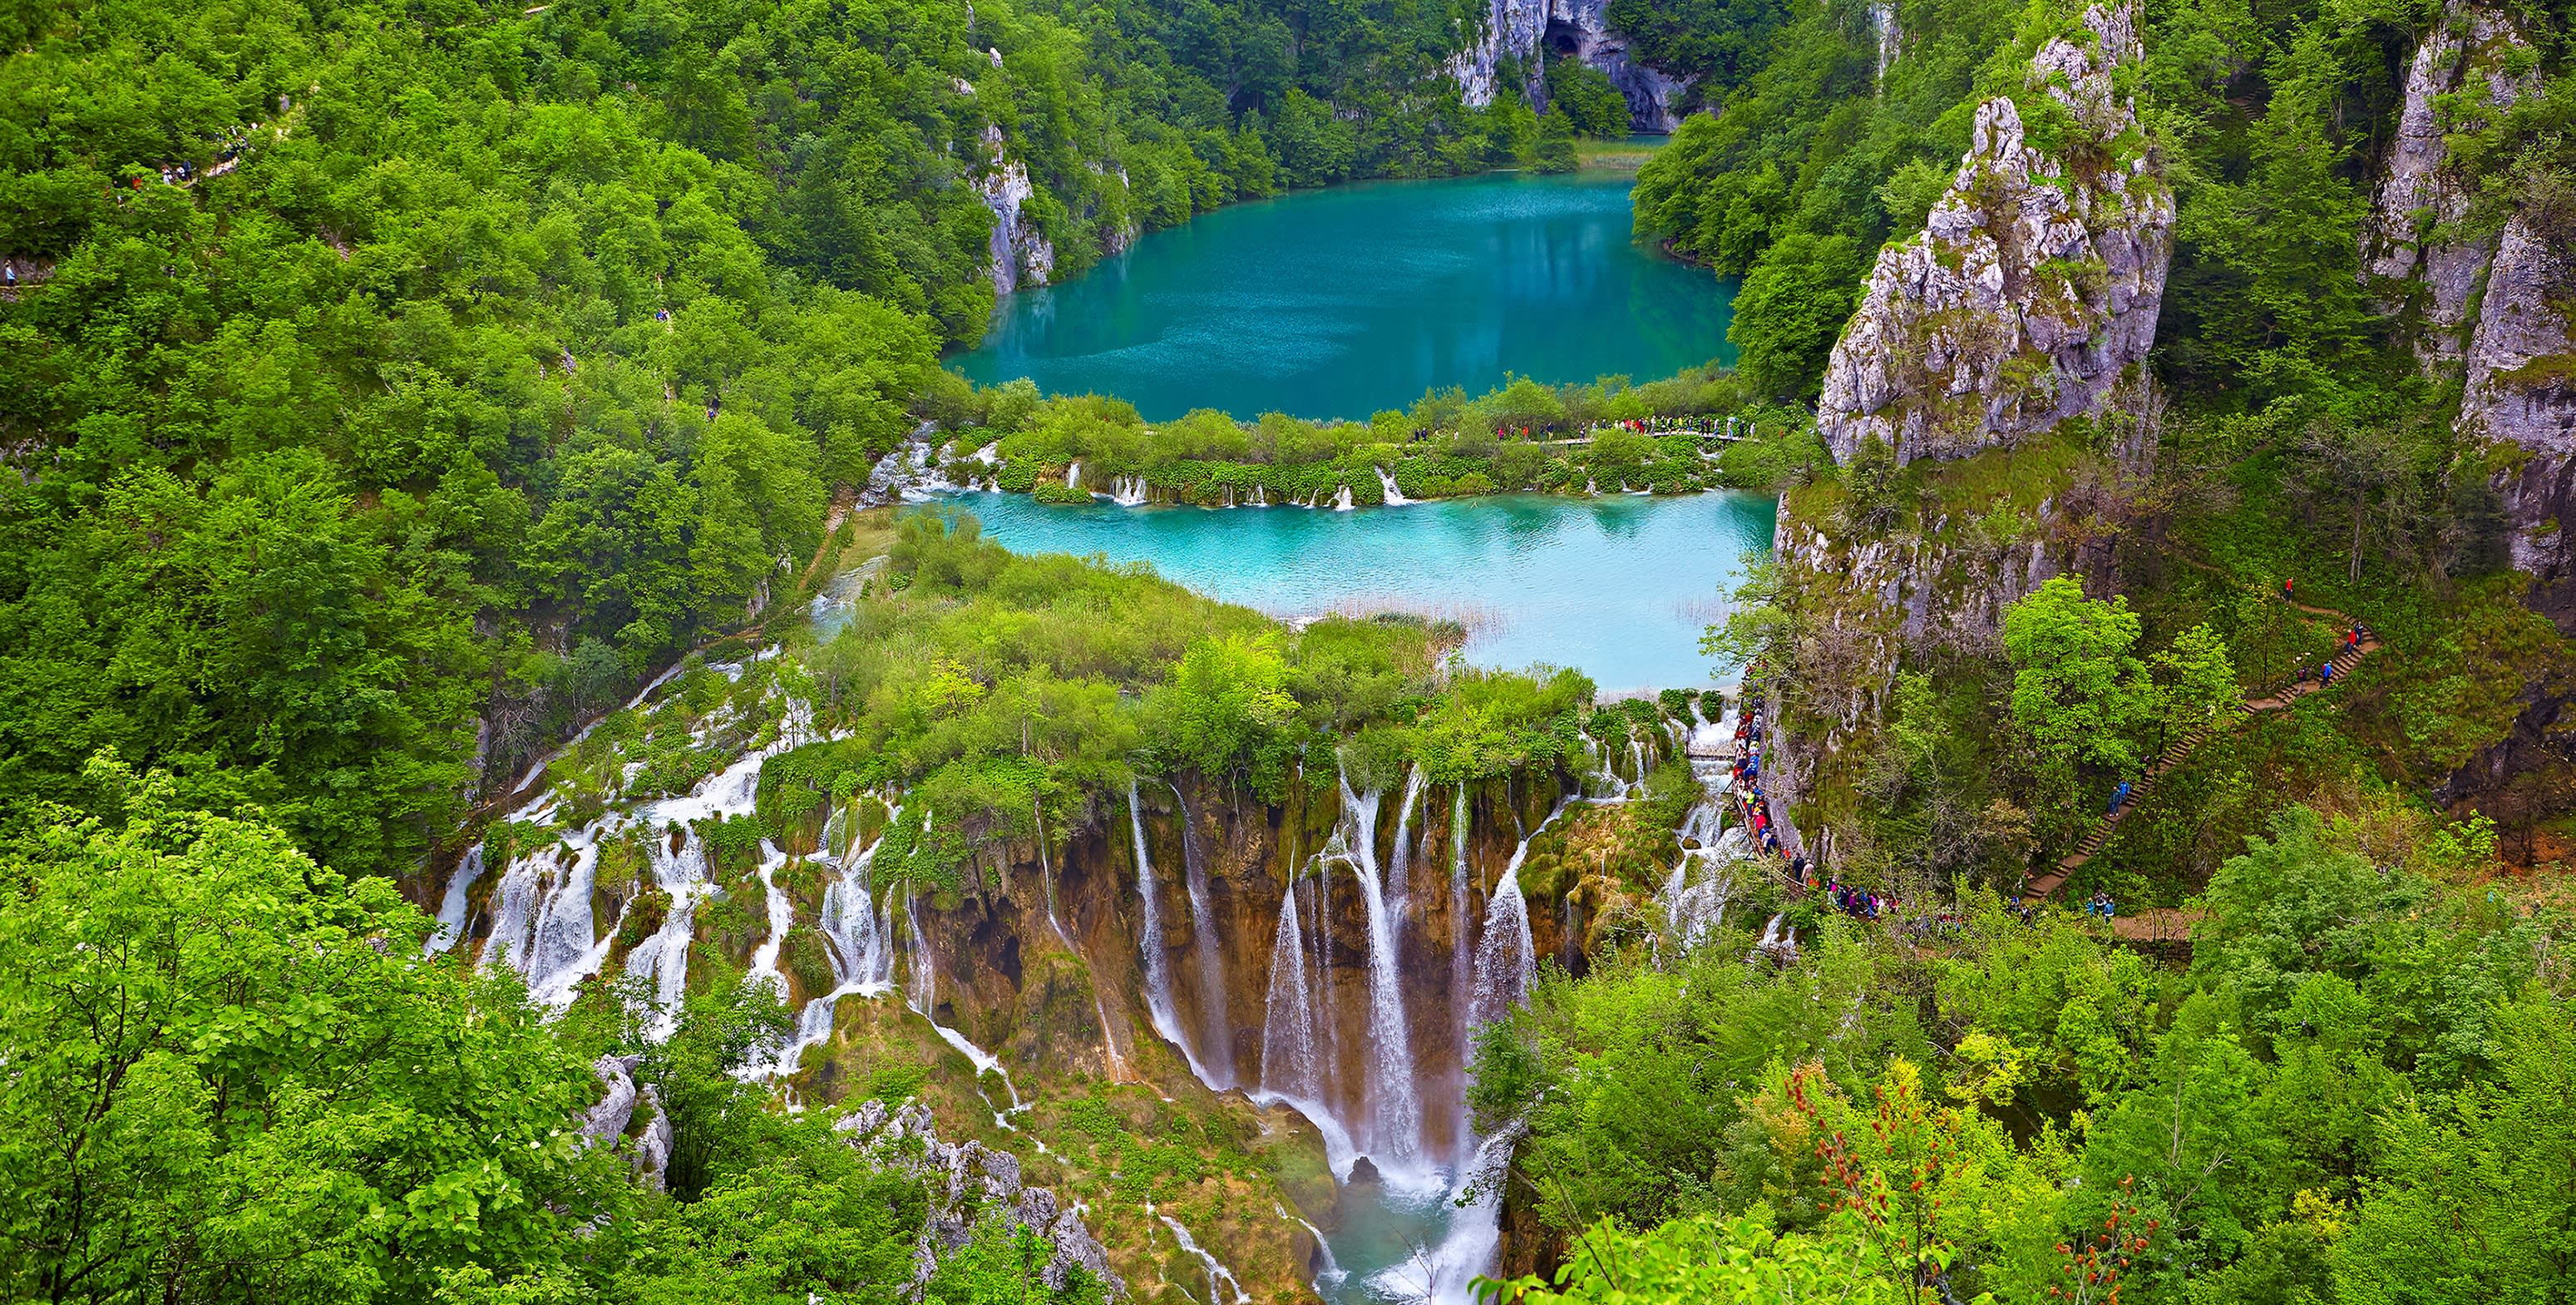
(1352, 299)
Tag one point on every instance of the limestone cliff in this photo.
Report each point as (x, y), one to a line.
(2036, 281)
(2519, 405)
(2419, 242)
(1022, 255)
(1577, 29)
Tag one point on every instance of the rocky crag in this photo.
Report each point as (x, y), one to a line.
(970, 1183)
(2007, 335)
(2035, 284)
(2421, 246)
(1577, 29)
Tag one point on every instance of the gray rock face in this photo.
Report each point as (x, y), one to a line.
(605, 1123)
(1022, 255)
(2520, 401)
(2413, 232)
(969, 1182)
(2035, 283)
(1581, 28)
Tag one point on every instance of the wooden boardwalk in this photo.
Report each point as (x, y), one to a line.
(2274, 700)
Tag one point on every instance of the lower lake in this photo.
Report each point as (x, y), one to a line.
(1619, 586)
(1344, 301)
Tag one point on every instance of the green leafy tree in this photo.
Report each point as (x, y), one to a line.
(231, 1077)
(2077, 689)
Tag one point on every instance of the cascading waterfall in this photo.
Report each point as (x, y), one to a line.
(1394, 496)
(1342, 499)
(1506, 954)
(1292, 1065)
(1128, 491)
(452, 908)
(1158, 962)
(1073, 476)
(1205, 950)
(1218, 1275)
(1399, 885)
(1461, 946)
(1396, 1129)
(921, 995)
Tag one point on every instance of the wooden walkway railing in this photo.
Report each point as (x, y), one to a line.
(2100, 835)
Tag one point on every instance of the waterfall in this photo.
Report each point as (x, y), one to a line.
(861, 945)
(1158, 962)
(922, 996)
(1260, 498)
(1399, 887)
(1397, 1126)
(1205, 949)
(1217, 1274)
(1046, 880)
(1447, 1275)
(1128, 491)
(1073, 475)
(1461, 949)
(782, 917)
(1342, 499)
(1394, 496)
(1778, 941)
(1506, 955)
(1291, 1048)
(452, 908)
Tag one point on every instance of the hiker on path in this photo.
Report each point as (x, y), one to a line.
(2325, 674)
(2286, 595)
(2119, 798)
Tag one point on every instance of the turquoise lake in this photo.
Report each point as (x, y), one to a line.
(1344, 301)
(1619, 586)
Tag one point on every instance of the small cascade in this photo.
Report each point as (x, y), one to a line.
(1259, 498)
(861, 939)
(1396, 1131)
(781, 910)
(1779, 942)
(1046, 880)
(1158, 962)
(1506, 954)
(1394, 496)
(452, 908)
(1292, 1064)
(1128, 491)
(1205, 949)
(1342, 499)
(1399, 880)
(921, 995)
(1219, 1277)
(1073, 475)
(1447, 1274)
(662, 961)
(1332, 1272)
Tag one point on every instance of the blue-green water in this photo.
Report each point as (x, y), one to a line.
(1348, 300)
(1619, 587)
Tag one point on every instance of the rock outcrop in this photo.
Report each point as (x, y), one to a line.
(1577, 29)
(2519, 406)
(2035, 283)
(606, 1123)
(1022, 255)
(970, 1183)
(2418, 235)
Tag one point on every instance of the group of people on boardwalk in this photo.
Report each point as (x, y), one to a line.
(1747, 768)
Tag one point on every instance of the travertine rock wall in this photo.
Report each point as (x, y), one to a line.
(2035, 283)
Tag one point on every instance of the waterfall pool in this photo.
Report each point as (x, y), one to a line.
(1618, 586)
(1341, 301)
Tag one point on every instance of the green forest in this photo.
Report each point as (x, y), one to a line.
(407, 401)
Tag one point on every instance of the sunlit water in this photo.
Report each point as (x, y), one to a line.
(1348, 300)
(1620, 586)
